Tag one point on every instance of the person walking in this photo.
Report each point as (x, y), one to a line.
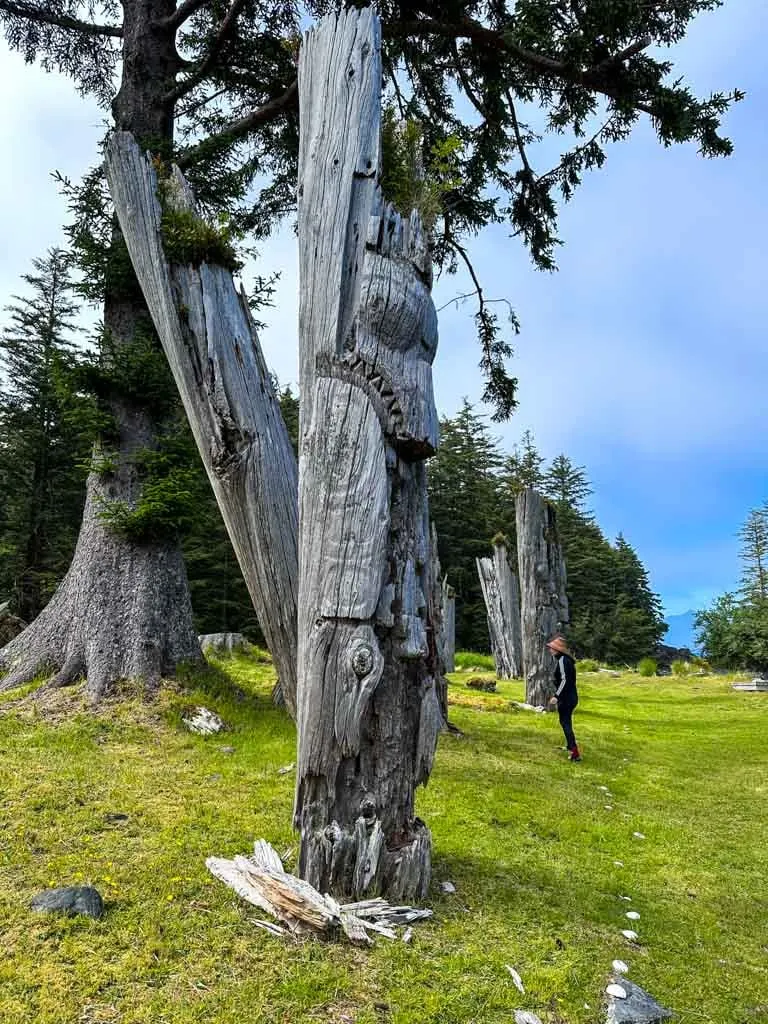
(566, 697)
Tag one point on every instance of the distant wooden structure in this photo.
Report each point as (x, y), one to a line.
(544, 604)
(502, 604)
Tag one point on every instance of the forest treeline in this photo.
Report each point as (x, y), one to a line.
(52, 405)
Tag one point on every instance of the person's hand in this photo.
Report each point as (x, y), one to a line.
(552, 701)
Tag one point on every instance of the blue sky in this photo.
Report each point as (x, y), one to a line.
(644, 357)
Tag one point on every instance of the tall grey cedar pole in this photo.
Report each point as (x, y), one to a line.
(449, 626)
(544, 604)
(502, 603)
(209, 338)
(368, 713)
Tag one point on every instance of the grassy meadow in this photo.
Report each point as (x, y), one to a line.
(539, 852)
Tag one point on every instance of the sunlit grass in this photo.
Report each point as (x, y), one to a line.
(524, 835)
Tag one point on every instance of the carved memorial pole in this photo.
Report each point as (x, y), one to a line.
(502, 603)
(543, 579)
(213, 350)
(368, 715)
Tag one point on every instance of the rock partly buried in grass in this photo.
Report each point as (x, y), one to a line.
(636, 1008)
(223, 643)
(203, 722)
(486, 685)
(526, 1017)
(70, 899)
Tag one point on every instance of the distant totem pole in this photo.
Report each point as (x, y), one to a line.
(502, 604)
(544, 604)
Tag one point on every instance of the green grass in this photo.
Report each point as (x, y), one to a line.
(523, 834)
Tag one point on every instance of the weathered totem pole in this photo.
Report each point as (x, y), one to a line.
(544, 604)
(502, 604)
(449, 626)
(436, 623)
(368, 711)
(209, 338)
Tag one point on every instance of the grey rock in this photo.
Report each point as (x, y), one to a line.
(227, 750)
(70, 899)
(223, 643)
(637, 1008)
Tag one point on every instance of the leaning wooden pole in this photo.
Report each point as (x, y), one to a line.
(544, 604)
(502, 604)
(368, 711)
(209, 338)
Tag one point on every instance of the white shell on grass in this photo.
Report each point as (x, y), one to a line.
(629, 934)
(627, 899)
(638, 835)
(447, 887)
(620, 967)
(632, 915)
(608, 807)
(603, 788)
(618, 863)
(616, 991)
(516, 978)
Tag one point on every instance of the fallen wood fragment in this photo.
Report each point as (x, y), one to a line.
(262, 881)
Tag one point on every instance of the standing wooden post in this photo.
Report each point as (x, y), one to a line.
(368, 711)
(209, 338)
(436, 622)
(542, 581)
(449, 626)
(502, 603)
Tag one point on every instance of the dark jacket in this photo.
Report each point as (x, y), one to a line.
(565, 681)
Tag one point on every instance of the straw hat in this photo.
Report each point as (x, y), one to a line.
(558, 643)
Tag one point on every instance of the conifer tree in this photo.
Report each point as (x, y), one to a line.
(465, 508)
(46, 427)
(754, 555)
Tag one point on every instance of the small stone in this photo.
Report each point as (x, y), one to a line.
(203, 722)
(608, 807)
(526, 1017)
(629, 934)
(603, 788)
(516, 979)
(70, 899)
(115, 816)
(407, 934)
(447, 887)
(616, 991)
(627, 899)
(286, 769)
(215, 777)
(227, 750)
(620, 967)
(636, 1008)
(638, 835)
(632, 915)
(618, 863)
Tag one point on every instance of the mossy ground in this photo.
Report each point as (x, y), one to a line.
(524, 835)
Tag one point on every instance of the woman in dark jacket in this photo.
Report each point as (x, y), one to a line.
(566, 698)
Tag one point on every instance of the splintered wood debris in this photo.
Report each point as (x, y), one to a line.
(299, 908)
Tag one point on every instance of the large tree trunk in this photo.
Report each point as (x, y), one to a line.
(502, 604)
(542, 579)
(123, 609)
(368, 716)
(213, 350)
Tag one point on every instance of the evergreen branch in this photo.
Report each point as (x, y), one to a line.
(226, 29)
(501, 43)
(182, 13)
(30, 12)
(519, 136)
(237, 130)
(471, 295)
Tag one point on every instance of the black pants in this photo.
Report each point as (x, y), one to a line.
(565, 714)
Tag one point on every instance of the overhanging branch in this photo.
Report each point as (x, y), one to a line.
(240, 129)
(182, 13)
(42, 16)
(226, 29)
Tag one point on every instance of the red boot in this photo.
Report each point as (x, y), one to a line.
(574, 754)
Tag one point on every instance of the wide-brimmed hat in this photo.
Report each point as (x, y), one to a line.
(558, 643)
